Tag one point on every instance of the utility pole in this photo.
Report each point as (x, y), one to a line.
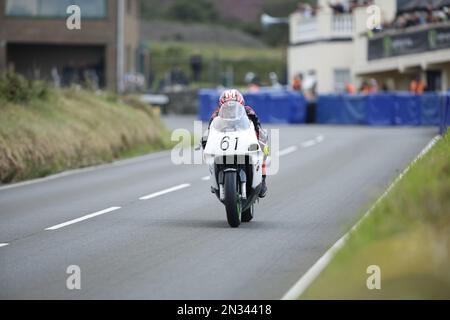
(120, 45)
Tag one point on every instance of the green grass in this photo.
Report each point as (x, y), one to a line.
(72, 129)
(209, 51)
(216, 61)
(407, 236)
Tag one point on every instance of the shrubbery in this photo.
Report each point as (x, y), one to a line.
(17, 89)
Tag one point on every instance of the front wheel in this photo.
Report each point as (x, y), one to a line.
(232, 201)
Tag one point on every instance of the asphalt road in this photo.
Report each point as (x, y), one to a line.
(177, 245)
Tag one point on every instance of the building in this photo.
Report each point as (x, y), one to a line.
(339, 49)
(36, 42)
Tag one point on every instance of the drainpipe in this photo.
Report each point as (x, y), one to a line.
(120, 45)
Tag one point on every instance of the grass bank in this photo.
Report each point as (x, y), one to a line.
(407, 236)
(58, 130)
(217, 61)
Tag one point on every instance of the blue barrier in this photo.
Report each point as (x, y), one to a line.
(429, 112)
(444, 113)
(380, 109)
(328, 109)
(399, 108)
(270, 106)
(354, 110)
(407, 109)
(208, 100)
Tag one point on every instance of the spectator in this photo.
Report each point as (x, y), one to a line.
(417, 85)
(364, 89)
(177, 76)
(338, 7)
(297, 83)
(373, 86)
(196, 66)
(56, 78)
(384, 87)
(349, 88)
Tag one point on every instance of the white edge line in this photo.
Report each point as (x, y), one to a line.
(89, 216)
(305, 281)
(3, 244)
(206, 178)
(160, 193)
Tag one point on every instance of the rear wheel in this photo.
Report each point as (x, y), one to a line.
(247, 215)
(232, 201)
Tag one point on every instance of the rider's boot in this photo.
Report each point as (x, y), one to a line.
(263, 191)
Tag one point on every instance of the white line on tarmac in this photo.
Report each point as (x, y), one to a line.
(287, 151)
(313, 142)
(319, 138)
(206, 178)
(309, 143)
(160, 193)
(307, 279)
(89, 216)
(3, 244)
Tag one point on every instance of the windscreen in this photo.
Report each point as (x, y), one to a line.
(232, 117)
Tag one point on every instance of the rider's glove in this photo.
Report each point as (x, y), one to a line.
(204, 141)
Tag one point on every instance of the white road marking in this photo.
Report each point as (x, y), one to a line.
(306, 280)
(309, 143)
(206, 178)
(313, 142)
(89, 216)
(287, 151)
(159, 193)
(3, 244)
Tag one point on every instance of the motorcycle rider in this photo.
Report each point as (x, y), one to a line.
(235, 95)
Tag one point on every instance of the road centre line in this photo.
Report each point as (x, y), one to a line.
(88, 216)
(287, 151)
(162, 192)
(3, 244)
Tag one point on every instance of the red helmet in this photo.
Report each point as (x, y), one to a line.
(231, 95)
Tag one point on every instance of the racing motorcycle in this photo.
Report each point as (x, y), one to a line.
(234, 156)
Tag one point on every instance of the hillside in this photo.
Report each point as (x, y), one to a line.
(160, 30)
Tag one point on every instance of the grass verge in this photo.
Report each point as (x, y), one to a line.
(72, 129)
(407, 236)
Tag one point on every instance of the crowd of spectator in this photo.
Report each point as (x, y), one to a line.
(419, 17)
(338, 7)
(403, 20)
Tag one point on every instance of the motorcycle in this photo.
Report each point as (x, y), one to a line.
(234, 156)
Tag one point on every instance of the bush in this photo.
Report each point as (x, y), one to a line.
(16, 89)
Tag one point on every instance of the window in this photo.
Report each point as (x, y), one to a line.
(341, 78)
(54, 8)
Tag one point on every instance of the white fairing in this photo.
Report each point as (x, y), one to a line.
(236, 136)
